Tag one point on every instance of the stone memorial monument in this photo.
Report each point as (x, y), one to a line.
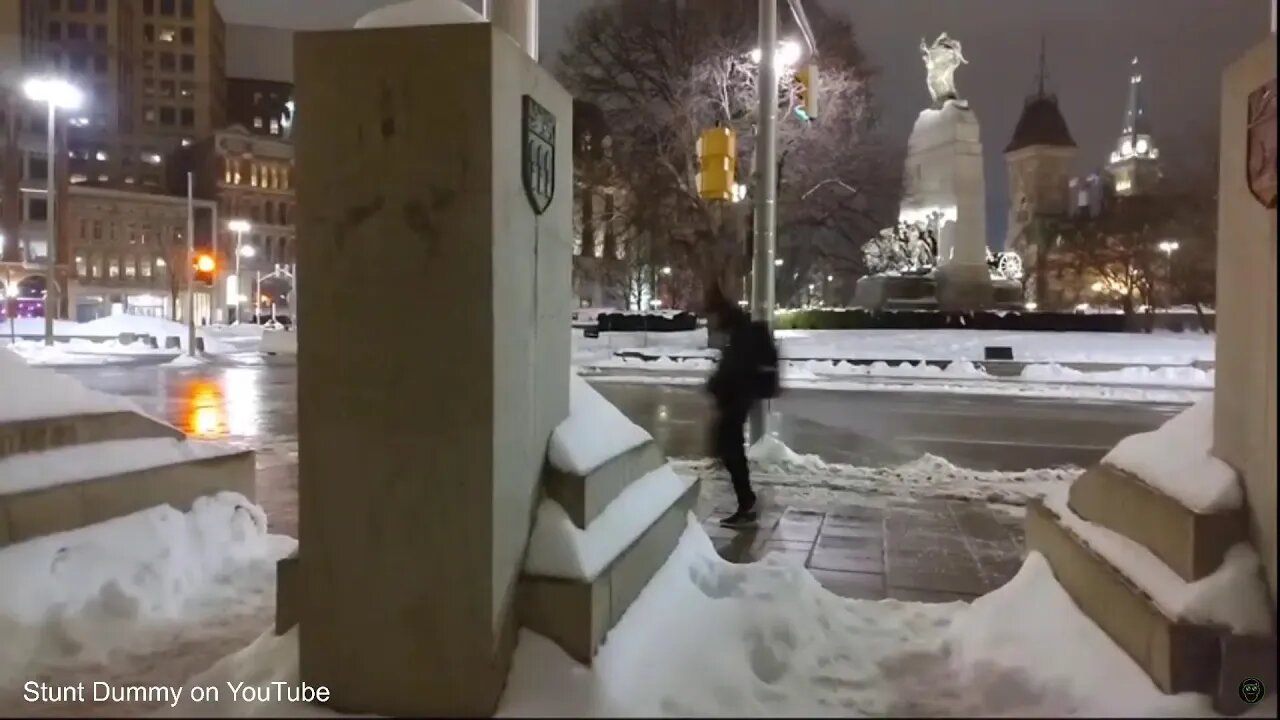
(945, 202)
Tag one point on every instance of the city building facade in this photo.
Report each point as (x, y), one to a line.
(1134, 164)
(602, 272)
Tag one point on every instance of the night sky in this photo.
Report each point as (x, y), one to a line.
(1184, 45)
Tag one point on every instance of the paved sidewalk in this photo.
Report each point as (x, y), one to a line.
(927, 550)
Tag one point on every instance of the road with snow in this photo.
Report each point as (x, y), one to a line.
(255, 403)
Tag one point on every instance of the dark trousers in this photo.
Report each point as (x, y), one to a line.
(730, 424)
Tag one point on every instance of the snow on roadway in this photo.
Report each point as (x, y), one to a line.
(1159, 348)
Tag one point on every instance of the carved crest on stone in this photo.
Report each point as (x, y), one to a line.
(1260, 157)
(538, 158)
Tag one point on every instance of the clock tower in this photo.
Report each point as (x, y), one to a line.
(1134, 163)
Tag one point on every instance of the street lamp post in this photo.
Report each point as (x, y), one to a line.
(54, 93)
(240, 227)
(766, 197)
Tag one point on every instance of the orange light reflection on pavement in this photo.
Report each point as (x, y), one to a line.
(206, 415)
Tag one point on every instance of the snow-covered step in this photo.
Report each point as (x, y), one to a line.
(578, 582)
(585, 496)
(49, 433)
(1192, 544)
(1173, 629)
(71, 487)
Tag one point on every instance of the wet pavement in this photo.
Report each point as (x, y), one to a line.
(858, 546)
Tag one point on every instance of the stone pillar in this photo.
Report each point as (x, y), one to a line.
(1245, 388)
(519, 19)
(944, 175)
(424, 429)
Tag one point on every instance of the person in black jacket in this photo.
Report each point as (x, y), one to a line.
(741, 379)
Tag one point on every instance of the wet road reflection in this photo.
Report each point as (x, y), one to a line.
(256, 406)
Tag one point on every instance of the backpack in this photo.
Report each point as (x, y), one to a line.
(764, 378)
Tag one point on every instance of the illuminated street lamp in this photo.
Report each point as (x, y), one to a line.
(787, 54)
(54, 93)
(240, 227)
(1168, 247)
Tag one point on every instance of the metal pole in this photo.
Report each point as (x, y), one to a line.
(257, 296)
(51, 210)
(766, 188)
(191, 269)
(239, 280)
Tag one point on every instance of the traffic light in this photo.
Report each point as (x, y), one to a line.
(807, 91)
(205, 268)
(717, 162)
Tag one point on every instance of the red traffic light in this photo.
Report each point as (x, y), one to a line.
(205, 263)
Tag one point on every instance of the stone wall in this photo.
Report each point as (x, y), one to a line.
(1245, 393)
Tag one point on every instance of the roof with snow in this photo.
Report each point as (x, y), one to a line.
(1041, 124)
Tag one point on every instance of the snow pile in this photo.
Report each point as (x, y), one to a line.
(183, 361)
(130, 584)
(420, 12)
(28, 393)
(959, 369)
(774, 464)
(1180, 375)
(280, 342)
(1234, 596)
(558, 548)
(594, 433)
(50, 468)
(1177, 459)
(708, 638)
(770, 454)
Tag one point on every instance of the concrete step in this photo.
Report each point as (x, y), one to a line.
(578, 615)
(584, 498)
(90, 495)
(51, 433)
(1178, 656)
(1192, 544)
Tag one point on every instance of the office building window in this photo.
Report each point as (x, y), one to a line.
(167, 35)
(166, 88)
(113, 267)
(100, 63)
(77, 31)
(188, 89)
(188, 8)
(187, 117)
(78, 63)
(95, 265)
(149, 87)
(275, 126)
(149, 32)
(78, 5)
(130, 270)
(148, 7)
(144, 267)
(166, 7)
(100, 33)
(37, 167)
(97, 229)
(37, 209)
(100, 6)
(149, 115)
(148, 60)
(167, 116)
(188, 63)
(82, 266)
(166, 62)
(55, 31)
(188, 36)
(257, 123)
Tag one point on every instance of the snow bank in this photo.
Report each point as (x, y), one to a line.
(594, 433)
(1184, 375)
(558, 548)
(281, 342)
(708, 638)
(774, 464)
(183, 361)
(34, 471)
(28, 393)
(1234, 596)
(85, 594)
(1177, 459)
(420, 12)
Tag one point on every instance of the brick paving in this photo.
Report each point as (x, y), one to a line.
(928, 550)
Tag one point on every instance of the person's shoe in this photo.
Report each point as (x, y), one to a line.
(740, 519)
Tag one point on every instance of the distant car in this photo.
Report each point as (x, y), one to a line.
(280, 321)
(588, 317)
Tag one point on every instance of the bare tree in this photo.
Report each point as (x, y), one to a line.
(663, 71)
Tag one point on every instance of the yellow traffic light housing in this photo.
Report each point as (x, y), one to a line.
(717, 163)
(807, 91)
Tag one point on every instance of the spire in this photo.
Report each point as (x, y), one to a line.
(1044, 70)
(1135, 117)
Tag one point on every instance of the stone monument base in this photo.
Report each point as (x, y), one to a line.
(896, 292)
(964, 287)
